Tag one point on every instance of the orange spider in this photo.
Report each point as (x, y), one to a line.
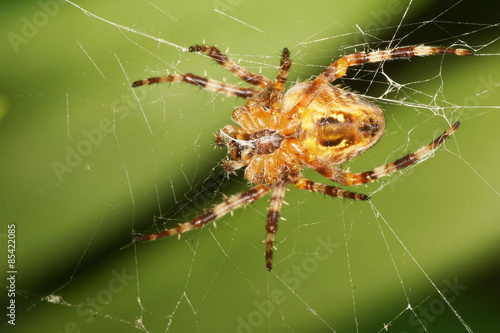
(313, 124)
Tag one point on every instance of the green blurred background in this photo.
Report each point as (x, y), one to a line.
(138, 165)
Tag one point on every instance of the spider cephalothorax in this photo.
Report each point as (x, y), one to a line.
(313, 124)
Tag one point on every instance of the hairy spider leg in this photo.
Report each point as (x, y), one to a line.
(213, 85)
(272, 220)
(234, 202)
(347, 178)
(277, 90)
(205, 83)
(230, 65)
(338, 68)
(333, 191)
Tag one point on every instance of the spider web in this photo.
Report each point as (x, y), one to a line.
(421, 256)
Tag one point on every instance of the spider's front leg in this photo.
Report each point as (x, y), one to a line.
(213, 85)
(230, 65)
(347, 178)
(202, 82)
(234, 202)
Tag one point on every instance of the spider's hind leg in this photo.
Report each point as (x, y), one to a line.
(202, 82)
(234, 202)
(347, 178)
(272, 220)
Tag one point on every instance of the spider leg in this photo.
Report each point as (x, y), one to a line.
(272, 220)
(208, 84)
(306, 184)
(234, 202)
(338, 68)
(347, 178)
(230, 65)
(277, 90)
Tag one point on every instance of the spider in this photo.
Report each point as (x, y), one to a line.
(314, 124)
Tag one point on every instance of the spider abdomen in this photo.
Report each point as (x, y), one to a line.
(337, 125)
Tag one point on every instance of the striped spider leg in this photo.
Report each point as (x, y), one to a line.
(347, 178)
(232, 203)
(277, 199)
(213, 85)
(338, 69)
